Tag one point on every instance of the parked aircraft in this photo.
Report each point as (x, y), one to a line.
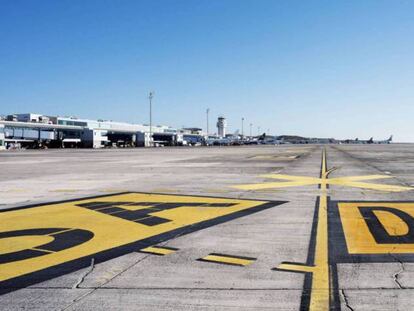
(385, 141)
(369, 141)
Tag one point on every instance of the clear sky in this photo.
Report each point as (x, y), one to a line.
(341, 69)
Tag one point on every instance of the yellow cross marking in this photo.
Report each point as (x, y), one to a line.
(349, 181)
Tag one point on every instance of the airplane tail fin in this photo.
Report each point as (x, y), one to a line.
(262, 137)
(390, 139)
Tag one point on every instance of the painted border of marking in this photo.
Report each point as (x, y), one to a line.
(339, 251)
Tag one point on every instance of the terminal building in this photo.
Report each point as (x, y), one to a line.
(36, 130)
(2, 138)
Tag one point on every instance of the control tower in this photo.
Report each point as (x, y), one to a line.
(221, 126)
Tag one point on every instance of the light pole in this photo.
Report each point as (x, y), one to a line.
(258, 130)
(251, 124)
(207, 111)
(150, 96)
(242, 128)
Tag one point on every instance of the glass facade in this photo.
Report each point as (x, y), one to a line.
(1, 136)
(72, 123)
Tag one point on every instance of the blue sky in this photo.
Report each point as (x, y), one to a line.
(315, 68)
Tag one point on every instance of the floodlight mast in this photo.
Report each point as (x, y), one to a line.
(207, 112)
(150, 97)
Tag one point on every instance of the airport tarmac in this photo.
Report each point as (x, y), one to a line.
(288, 227)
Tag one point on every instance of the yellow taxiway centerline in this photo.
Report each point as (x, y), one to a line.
(319, 297)
(320, 290)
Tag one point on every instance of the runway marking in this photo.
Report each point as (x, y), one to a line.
(320, 286)
(159, 250)
(349, 181)
(44, 241)
(378, 227)
(228, 259)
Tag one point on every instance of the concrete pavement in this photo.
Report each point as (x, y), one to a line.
(374, 275)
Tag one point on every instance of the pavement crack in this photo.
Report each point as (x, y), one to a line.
(83, 276)
(397, 274)
(77, 299)
(345, 298)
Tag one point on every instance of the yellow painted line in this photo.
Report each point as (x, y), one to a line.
(271, 185)
(295, 267)
(380, 187)
(320, 291)
(347, 181)
(319, 299)
(320, 277)
(362, 177)
(228, 259)
(158, 250)
(292, 177)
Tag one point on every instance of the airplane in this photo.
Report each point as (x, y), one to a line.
(369, 141)
(358, 141)
(270, 140)
(362, 141)
(385, 141)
